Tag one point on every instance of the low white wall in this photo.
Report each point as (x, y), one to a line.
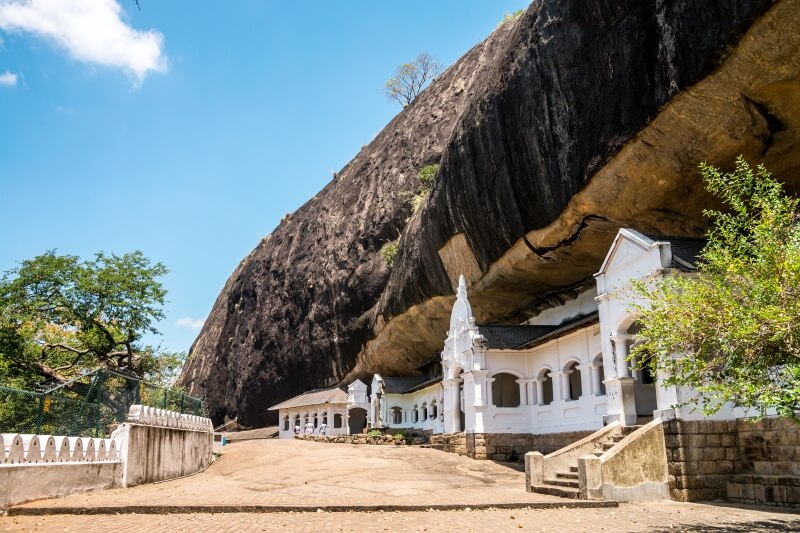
(153, 445)
(25, 482)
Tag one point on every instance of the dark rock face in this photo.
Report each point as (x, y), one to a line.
(551, 134)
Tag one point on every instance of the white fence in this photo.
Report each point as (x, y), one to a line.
(18, 448)
(151, 416)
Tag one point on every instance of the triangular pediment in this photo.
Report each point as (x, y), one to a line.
(627, 244)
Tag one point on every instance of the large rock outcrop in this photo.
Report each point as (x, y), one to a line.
(577, 118)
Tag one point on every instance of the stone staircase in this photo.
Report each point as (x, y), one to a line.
(565, 484)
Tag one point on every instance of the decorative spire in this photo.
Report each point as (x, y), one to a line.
(461, 293)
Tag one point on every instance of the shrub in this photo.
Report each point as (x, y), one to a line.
(374, 433)
(389, 251)
(427, 176)
(508, 17)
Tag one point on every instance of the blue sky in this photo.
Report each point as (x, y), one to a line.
(188, 129)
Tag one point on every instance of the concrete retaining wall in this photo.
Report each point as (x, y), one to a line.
(25, 482)
(635, 469)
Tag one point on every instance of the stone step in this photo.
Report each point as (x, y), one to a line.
(617, 438)
(608, 445)
(563, 492)
(598, 453)
(567, 475)
(627, 430)
(561, 483)
(573, 469)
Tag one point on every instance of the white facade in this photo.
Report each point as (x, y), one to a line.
(571, 374)
(420, 408)
(560, 381)
(636, 256)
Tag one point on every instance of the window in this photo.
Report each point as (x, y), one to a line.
(574, 381)
(397, 415)
(547, 387)
(286, 423)
(415, 414)
(423, 412)
(505, 390)
(337, 420)
(434, 410)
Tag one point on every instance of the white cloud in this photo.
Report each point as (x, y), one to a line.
(189, 322)
(8, 78)
(90, 31)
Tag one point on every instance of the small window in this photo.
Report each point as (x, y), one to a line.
(434, 410)
(415, 414)
(337, 420)
(574, 377)
(286, 423)
(397, 415)
(547, 388)
(505, 390)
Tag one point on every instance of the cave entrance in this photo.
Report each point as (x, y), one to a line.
(356, 420)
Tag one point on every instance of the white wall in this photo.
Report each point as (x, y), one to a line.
(306, 413)
(417, 399)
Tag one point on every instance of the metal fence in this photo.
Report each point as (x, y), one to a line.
(88, 406)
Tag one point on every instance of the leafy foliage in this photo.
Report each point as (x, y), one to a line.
(731, 332)
(60, 316)
(427, 177)
(411, 78)
(508, 17)
(389, 251)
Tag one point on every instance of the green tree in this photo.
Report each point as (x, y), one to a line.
(731, 331)
(60, 316)
(411, 78)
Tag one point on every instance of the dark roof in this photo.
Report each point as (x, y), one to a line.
(400, 385)
(509, 337)
(426, 383)
(314, 397)
(685, 251)
(567, 327)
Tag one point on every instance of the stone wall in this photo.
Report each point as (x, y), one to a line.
(738, 460)
(504, 446)
(701, 455)
(768, 467)
(378, 440)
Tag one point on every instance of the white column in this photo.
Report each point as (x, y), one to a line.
(594, 369)
(539, 391)
(523, 391)
(620, 341)
(564, 383)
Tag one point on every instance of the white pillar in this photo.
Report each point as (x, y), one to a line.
(539, 391)
(564, 383)
(523, 391)
(620, 341)
(594, 369)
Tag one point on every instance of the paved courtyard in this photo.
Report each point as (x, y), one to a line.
(272, 474)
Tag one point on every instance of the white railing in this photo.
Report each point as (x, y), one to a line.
(16, 448)
(151, 416)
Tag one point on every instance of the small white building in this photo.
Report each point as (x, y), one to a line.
(317, 407)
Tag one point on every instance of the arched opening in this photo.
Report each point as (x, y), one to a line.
(297, 424)
(434, 410)
(396, 415)
(644, 389)
(574, 385)
(314, 417)
(545, 387)
(462, 417)
(286, 423)
(505, 390)
(423, 412)
(325, 418)
(337, 420)
(357, 420)
(415, 414)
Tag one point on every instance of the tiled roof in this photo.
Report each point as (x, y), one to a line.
(510, 337)
(572, 325)
(399, 385)
(685, 251)
(314, 397)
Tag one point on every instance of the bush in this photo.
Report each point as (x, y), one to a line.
(427, 176)
(374, 433)
(508, 17)
(389, 251)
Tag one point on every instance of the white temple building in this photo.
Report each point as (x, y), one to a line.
(564, 371)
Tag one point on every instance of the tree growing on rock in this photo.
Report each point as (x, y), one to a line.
(60, 316)
(411, 78)
(731, 331)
